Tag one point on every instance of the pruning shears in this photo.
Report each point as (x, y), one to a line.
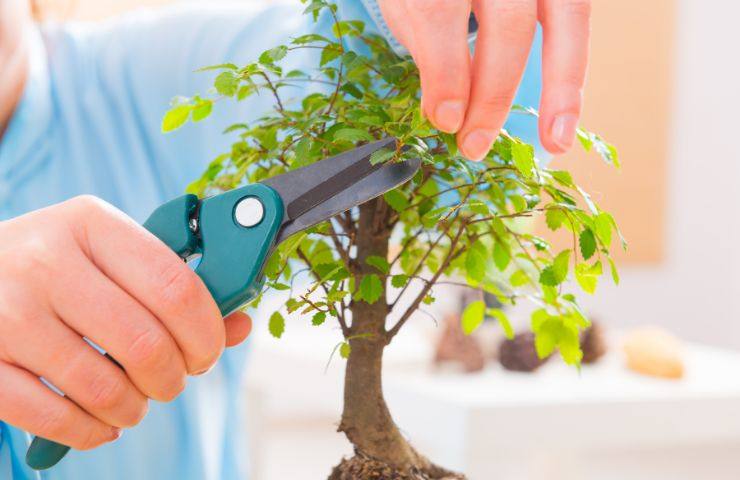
(236, 231)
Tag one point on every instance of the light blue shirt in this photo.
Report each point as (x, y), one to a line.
(89, 122)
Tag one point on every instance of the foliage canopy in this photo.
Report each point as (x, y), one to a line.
(456, 222)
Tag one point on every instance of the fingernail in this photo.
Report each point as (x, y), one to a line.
(449, 115)
(563, 130)
(117, 432)
(203, 372)
(477, 144)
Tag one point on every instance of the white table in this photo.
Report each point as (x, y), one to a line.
(604, 423)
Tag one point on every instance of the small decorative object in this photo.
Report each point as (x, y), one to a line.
(454, 346)
(593, 343)
(519, 353)
(653, 351)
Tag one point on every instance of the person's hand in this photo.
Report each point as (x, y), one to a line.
(473, 98)
(83, 269)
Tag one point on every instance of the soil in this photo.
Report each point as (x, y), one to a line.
(361, 467)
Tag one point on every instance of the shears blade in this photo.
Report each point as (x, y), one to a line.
(317, 192)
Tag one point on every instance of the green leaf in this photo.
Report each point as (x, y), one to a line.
(353, 135)
(475, 261)
(554, 217)
(329, 53)
(220, 66)
(587, 242)
(523, 156)
(603, 228)
(615, 272)
(399, 281)
(351, 88)
(176, 117)
(587, 276)
(318, 318)
(519, 278)
(371, 288)
(378, 262)
(202, 110)
(501, 255)
(562, 177)
(344, 350)
(277, 324)
(503, 320)
(226, 83)
(273, 55)
(472, 316)
(396, 199)
(381, 156)
(556, 273)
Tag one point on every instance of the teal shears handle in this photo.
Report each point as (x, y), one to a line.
(233, 232)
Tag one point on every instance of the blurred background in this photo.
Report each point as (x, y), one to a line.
(663, 87)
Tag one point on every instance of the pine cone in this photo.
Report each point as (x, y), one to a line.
(593, 343)
(519, 354)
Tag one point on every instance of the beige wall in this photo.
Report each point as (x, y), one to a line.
(627, 99)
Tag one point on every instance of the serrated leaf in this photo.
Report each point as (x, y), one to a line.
(371, 288)
(176, 117)
(381, 156)
(378, 262)
(556, 273)
(226, 83)
(587, 242)
(472, 316)
(475, 261)
(396, 199)
(587, 276)
(318, 318)
(501, 255)
(399, 281)
(603, 228)
(523, 156)
(353, 135)
(554, 217)
(329, 53)
(273, 55)
(277, 324)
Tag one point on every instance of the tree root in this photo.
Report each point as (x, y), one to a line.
(362, 467)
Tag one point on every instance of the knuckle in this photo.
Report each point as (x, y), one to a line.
(180, 288)
(577, 8)
(106, 392)
(149, 349)
(516, 19)
(495, 104)
(84, 205)
(55, 421)
(434, 8)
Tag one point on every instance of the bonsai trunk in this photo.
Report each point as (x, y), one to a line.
(381, 451)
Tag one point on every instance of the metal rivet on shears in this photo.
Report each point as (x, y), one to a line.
(249, 212)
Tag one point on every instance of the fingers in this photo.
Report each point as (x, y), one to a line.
(566, 29)
(156, 277)
(435, 32)
(238, 327)
(506, 31)
(50, 350)
(122, 327)
(31, 406)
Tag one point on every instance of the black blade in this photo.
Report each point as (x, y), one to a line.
(377, 182)
(304, 188)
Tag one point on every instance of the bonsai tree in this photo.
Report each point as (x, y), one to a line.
(457, 221)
